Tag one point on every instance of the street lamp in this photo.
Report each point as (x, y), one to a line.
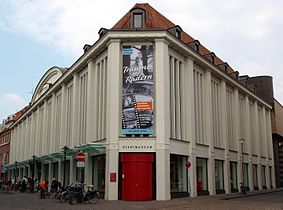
(65, 148)
(242, 159)
(15, 173)
(33, 167)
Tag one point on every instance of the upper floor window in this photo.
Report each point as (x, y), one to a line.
(138, 18)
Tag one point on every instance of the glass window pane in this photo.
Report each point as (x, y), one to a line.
(138, 20)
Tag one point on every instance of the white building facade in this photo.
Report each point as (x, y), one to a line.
(200, 132)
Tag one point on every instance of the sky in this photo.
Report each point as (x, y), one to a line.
(36, 35)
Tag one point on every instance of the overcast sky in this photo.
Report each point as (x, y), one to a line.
(38, 34)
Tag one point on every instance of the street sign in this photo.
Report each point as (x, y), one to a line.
(80, 164)
(188, 164)
(80, 156)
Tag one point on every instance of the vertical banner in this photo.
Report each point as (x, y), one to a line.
(137, 101)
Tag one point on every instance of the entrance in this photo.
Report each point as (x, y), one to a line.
(137, 176)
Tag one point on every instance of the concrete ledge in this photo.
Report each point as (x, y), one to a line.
(252, 193)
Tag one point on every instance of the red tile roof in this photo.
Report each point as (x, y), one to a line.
(155, 20)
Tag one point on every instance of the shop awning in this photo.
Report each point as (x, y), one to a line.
(91, 149)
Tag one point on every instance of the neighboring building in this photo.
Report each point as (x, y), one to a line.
(265, 90)
(158, 115)
(5, 139)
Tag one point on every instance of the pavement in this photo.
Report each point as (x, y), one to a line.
(259, 200)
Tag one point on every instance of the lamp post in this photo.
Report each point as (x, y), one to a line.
(16, 163)
(33, 167)
(242, 163)
(65, 148)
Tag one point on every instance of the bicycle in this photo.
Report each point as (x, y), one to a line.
(41, 194)
(92, 196)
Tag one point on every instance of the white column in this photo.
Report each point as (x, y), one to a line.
(236, 121)
(162, 104)
(189, 122)
(44, 131)
(12, 150)
(50, 174)
(224, 136)
(113, 118)
(75, 117)
(259, 173)
(90, 101)
(270, 154)
(248, 141)
(63, 126)
(53, 124)
(88, 169)
(73, 166)
(60, 171)
(208, 132)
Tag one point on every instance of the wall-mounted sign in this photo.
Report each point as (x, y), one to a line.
(80, 164)
(80, 156)
(112, 177)
(188, 164)
(137, 101)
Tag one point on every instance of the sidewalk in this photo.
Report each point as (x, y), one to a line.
(251, 193)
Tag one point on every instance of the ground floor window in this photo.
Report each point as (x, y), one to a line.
(263, 177)
(46, 171)
(270, 176)
(246, 175)
(178, 174)
(255, 178)
(219, 176)
(202, 182)
(233, 176)
(55, 170)
(98, 172)
(67, 172)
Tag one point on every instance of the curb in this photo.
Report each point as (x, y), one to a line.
(254, 194)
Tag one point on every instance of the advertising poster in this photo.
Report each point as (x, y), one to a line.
(137, 101)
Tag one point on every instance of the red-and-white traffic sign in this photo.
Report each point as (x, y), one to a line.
(80, 156)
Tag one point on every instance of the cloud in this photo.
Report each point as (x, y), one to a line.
(11, 103)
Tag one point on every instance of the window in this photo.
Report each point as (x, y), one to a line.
(233, 176)
(178, 33)
(219, 176)
(138, 20)
(178, 174)
(202, 182)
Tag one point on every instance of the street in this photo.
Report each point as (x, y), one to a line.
(269, 201)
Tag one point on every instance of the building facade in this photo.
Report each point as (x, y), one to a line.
(157, 114)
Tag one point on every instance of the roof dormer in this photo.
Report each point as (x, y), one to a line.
(138, 18)
(210, 56)
(223, 66)
(102, 32)
(235, 75)
(194, 45)
(176, 31)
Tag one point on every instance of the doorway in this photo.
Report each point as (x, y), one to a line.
(137, 176)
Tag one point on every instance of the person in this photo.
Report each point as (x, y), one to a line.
(43, 188)
(243, 189)
(54, 185)
(24, 183)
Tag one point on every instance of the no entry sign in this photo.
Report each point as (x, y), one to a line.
(80, 156)
(188, 164)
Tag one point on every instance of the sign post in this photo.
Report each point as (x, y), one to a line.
(80, 156)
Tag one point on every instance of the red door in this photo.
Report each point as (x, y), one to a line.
(137, 176)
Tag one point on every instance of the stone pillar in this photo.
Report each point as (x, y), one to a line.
(113, 118)
(236, 121)
(162, 103)
(224, 136)
(248, 141)
(90, 101)
(75, 117)
(189, 122)
(208, 132)
(73, 166)
(63, 125)
(50, 174)
(88, 169)
(259, 173)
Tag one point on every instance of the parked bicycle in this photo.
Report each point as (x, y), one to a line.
(91, 196)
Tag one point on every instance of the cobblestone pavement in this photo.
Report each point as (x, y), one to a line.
(269, 201)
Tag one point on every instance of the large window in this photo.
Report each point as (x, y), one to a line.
(263, 177)
(202, 182)
(255, 177)
(233, 178)
(178, 174)
(219, 176)
(98, 173)
(246, 175)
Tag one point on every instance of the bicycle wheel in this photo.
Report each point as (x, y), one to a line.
(93, 198)
(64, 197)
(73, 200)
